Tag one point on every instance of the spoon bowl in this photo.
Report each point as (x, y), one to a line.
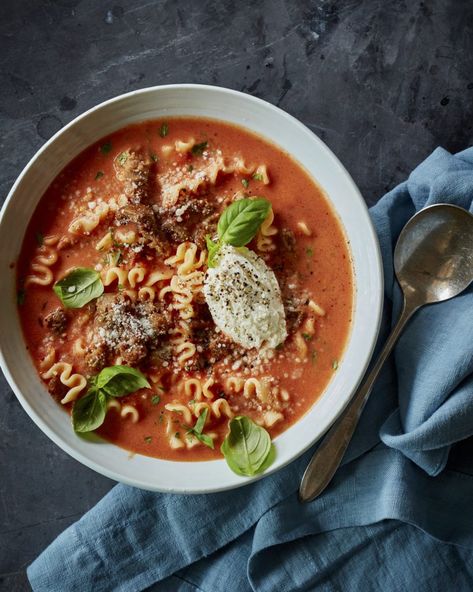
(433, 259)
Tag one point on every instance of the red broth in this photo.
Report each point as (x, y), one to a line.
(310, 257)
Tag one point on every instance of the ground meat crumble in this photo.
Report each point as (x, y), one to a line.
(126, 329)
(56, 321)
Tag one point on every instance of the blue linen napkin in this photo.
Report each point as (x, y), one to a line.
(398, 514)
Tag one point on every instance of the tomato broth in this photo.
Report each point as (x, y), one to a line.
(121, 209)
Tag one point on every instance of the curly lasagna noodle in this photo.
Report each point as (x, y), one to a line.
(135, 209)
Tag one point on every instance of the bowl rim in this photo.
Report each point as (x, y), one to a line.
(377, 311)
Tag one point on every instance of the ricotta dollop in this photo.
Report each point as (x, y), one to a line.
(244, 298)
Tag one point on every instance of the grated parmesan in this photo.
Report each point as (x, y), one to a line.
(244, 299)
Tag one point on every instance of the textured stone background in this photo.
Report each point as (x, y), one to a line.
(382, 83)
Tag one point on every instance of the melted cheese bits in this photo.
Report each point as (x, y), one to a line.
(244, 299)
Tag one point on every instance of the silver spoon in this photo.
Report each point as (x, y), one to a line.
(433, 261)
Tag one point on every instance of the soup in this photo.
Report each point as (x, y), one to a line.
(181, 277)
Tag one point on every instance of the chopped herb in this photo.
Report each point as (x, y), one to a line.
(161, 418)
(20, 297)
(39, 238)
(161, 388)
(121, 287)
(279, 346)
(191, 402)
(307, 336)
(114, 257)
(163, 132)
(148, 439)
(177, 435)
(153, 156)
(258, 177)
(309, 251)
(155, 399)
(245, 183)
(105, 149)
(198, 149)
(313, 356)
(98, 175)
(335, 364)
(122, 158)
(190, 168)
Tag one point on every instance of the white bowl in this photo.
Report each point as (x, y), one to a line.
(282, 129)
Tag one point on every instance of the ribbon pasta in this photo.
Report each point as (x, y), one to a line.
(75, 382)
(87, 222)
(42, 262)
(217, 408)
(264, 242)
(195, 388)
(125, 411)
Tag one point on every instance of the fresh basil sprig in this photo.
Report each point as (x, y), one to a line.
(238, 225)
(197, 430)
(88, 412)
(79, 287)
(247, 448)
(117, 381)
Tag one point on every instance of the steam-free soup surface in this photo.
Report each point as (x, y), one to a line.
(136, 208)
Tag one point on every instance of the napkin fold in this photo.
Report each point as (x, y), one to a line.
(397, 515)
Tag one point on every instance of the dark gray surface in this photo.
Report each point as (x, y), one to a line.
(382, 83)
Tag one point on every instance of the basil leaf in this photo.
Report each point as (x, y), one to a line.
(199, 426)
(79, 287)
(200, 423)
(118, 381)
(240, 222)
(213, 249)
(269, 459)
(205, 439)
(247, 447)
(88, 412)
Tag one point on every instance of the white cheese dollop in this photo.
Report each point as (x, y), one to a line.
(244, 299)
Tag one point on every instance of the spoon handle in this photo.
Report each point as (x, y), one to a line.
(328, 456)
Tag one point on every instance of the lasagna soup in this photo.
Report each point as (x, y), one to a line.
(184, 285)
